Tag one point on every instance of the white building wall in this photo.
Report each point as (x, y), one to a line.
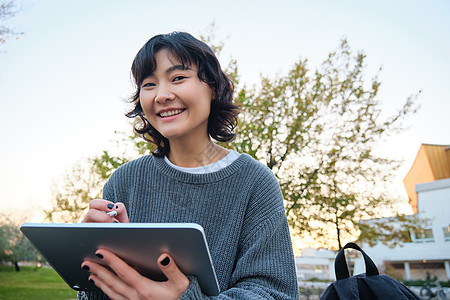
(433, 203)
(318, 263)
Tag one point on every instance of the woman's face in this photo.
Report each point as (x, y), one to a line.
(174, 100)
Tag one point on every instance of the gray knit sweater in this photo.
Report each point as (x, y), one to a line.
(241, 210)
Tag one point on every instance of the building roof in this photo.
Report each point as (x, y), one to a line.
(432, 163)
(432, 186)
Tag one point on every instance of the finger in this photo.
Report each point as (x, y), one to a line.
(172, 272)
(117, 211)
(101, 204)
(126, 273)
(122, 215)
(97, 216)
(111, 293)
(107, 281)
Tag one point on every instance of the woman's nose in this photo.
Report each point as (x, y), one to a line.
(163, 95)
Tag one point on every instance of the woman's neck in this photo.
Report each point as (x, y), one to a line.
(194, 153)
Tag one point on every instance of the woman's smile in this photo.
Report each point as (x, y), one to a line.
(170, 112)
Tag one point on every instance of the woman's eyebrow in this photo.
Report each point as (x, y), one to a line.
(171, 69)
(177, 67)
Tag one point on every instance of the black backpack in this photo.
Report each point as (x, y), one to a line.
(370, 285)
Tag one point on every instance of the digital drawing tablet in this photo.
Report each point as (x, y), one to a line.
(66, 246)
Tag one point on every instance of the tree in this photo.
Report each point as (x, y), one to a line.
(133, 146)
(14, 246)
(392, 231)
(317, 130)
(8, 10)
(73, 191)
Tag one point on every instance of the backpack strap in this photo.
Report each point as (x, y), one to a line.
(340, 264)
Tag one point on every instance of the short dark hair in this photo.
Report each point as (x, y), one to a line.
(188, 50)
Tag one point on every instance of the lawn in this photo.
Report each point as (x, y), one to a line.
(43, 283)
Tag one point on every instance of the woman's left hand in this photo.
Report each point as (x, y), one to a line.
(129, 284)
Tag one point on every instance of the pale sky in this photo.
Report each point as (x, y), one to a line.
(62, 83)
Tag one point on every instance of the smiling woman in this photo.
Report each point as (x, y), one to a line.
(183, 101)
(185, 64)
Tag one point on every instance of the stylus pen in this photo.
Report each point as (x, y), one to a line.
(112, 213)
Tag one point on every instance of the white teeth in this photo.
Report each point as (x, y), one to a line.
(170, 113)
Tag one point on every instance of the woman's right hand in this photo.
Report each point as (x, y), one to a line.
(99, 209)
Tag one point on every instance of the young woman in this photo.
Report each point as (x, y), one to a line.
(183, 101)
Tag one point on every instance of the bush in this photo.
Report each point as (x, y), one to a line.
(315, 279)
(422, 282)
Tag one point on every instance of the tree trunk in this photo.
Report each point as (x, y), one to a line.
(338, 233)
(16, 265)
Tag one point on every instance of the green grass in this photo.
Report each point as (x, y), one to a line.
(28, 284)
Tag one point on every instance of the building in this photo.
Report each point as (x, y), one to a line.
(428, 188)
(315, 263)
(431, 163)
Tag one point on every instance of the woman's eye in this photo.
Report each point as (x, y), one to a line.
(148, 84)
(178, 78)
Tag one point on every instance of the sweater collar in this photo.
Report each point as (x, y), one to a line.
(181, 176)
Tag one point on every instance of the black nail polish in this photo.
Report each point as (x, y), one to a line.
(165, 261)
(86, 267)
(116, 222)
(117, 206)
(92, 281)
(99, 255)
(110, 206)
